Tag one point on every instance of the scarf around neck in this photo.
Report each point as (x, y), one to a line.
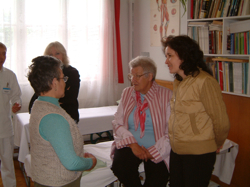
(140, 113)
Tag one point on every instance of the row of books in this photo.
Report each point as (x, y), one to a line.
(239, 43)
(200, 9)
(232, 76)
(208, 35)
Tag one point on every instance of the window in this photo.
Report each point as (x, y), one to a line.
(84, 27)
(27, 27)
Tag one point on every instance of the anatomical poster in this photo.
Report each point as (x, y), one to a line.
(164, 20)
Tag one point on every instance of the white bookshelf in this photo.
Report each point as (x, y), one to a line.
(226, 21)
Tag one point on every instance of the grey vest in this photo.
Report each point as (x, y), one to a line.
(46, 168)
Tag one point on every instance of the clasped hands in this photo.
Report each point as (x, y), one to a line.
(89, 155)
(140, 151)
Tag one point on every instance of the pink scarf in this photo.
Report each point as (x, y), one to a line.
(140, 114)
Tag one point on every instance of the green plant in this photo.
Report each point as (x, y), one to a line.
(183, 3)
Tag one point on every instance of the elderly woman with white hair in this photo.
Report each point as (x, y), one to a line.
(141, 128)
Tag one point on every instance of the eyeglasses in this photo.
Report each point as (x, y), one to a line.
(65, 79)
(137, 77)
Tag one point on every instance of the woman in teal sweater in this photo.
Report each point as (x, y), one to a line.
(57, 157)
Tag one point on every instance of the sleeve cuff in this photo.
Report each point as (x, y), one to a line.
(155, 153)
(125, 142)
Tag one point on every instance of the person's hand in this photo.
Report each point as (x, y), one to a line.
(138, 151)
(218, 150)
(16, 107)
(88, 155)
(149, 156)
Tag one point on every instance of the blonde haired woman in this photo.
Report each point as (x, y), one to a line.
(69, 102)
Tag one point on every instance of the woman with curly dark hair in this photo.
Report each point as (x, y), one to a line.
(198, 123)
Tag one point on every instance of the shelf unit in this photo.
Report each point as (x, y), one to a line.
(226, 22)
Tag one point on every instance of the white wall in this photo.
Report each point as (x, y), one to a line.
(141, 36)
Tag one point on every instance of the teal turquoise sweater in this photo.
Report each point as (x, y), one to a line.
(60, 138)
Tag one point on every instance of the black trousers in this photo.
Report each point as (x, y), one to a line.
(191, 170)
(125, 168)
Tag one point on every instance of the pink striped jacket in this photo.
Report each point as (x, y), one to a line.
(158, 98)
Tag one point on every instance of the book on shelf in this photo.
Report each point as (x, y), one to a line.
(222, 8)
(225, 8)
(230, 72)
(200, 40)
(228, 38)
(219, 43)
(233, 75)
(236, 45)
(198, 23)
(195, 34)
(248, 79)
(206, 40)
(239, 43)
(215, 26)
(197, 3)
(237, 74)
(213, 39)
(217, 22)
(229, 8)
(210, 9)
(204, 8)
(240, 26)
(215, 8)
(228, 51)
(232, 8)
(245, 43)
(210, 35)
(246, 8)
(225, 76)
(221, 74)
(200, 8)
(218, 14)
(191, 9)
(236, 9)
(199, 32)
(245, 67)
(218, 70)
(240, 8)
(248, 49)
(232, 43)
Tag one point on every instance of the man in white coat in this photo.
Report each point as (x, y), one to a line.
(9, 99)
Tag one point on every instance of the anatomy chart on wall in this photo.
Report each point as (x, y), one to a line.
(164, 20)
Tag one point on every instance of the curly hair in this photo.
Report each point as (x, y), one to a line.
(41, 73)
(189, 52)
